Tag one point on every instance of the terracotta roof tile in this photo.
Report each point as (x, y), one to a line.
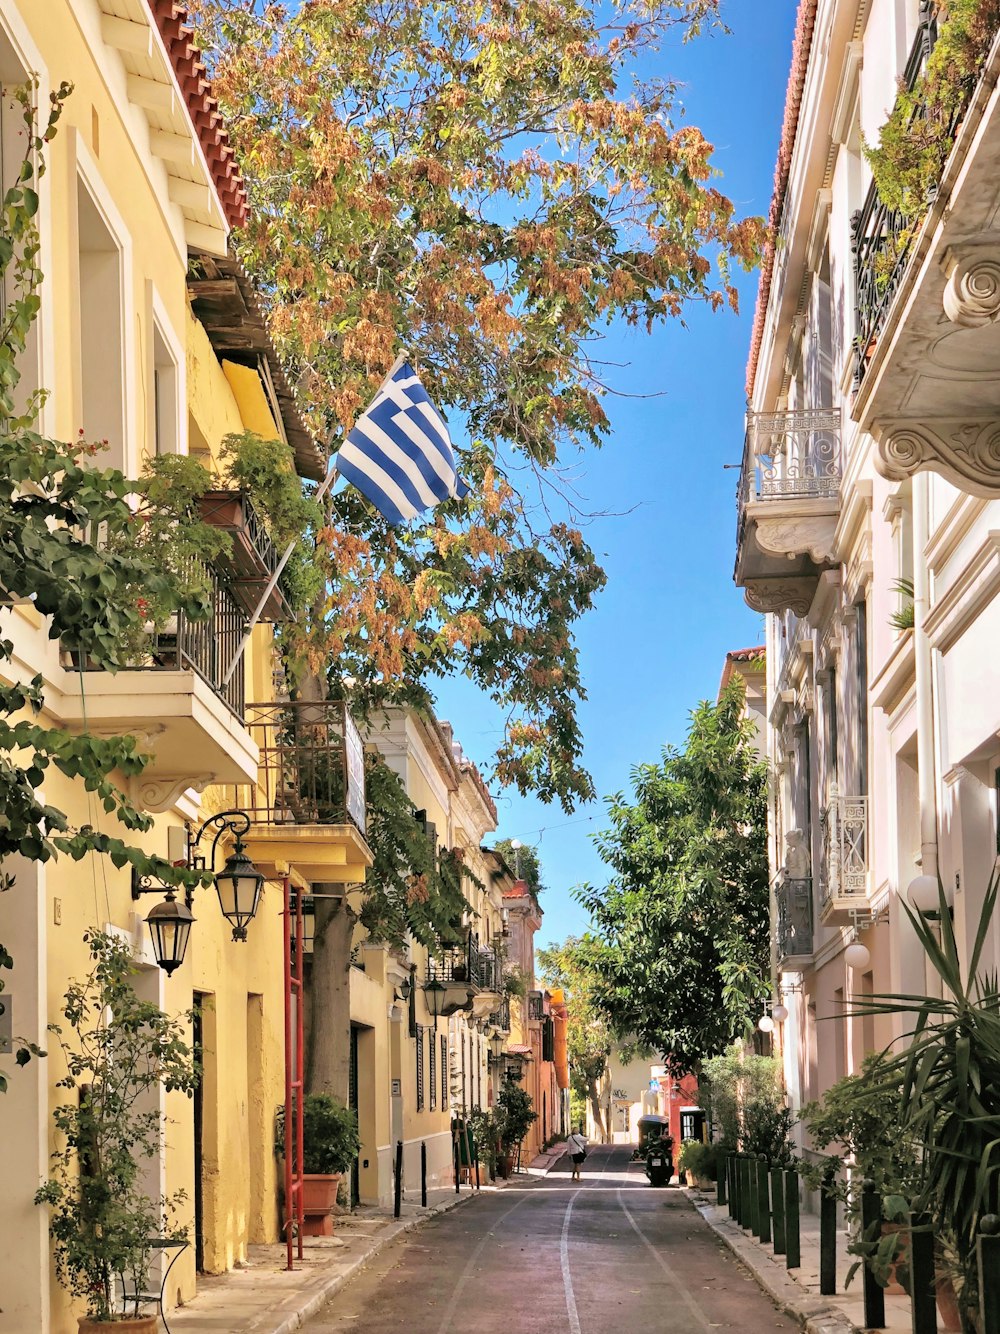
(805, 23)
(191, 74)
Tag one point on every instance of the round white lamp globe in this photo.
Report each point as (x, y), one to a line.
(765, 1023)
(779, 1013)
(922, 893)
(857, 955)
(516, 844)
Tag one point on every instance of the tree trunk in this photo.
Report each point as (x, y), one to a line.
(329, 1049)
(595, 1108)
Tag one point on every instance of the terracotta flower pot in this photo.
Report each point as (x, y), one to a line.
(142, 1324)
(899, 1272)
(319, 1200)
(947, 1302)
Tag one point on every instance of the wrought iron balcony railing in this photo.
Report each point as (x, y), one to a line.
(790, 456)
(795, 916)
(460, 964)
(312, 765)
(882, 237)
(844, 871)
(206, 647)
(252, 558)
(501, 1016)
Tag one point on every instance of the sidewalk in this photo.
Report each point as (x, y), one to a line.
(543, 1164)
(796, 1291)
(262, 1297)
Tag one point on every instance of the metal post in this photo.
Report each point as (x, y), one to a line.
(731, 1183)
(721, 1184)
(763, 1204)
(923, 1304)
(827, 1238)
(793, 1244)
(778, 1209)
(988, 1259)
(398, 1199)
(423, 1174)
(873, 1292)
(752, 1222)
(747, 1221)
(458, 1169)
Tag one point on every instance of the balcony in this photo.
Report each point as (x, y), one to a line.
(788, 504)
(459, 969)
(844, 870)
(927, 300)
(308, 806)
(253, 557)
(174, 699)
(794, 902)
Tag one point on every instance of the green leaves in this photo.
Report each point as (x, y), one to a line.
(683, 951)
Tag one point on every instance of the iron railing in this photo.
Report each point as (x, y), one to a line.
(311, 768)
(882, 237)
(536, 1005)
(501, 1016)
(206, 647)
(460, 963)
(789, 456)
(844, 870)
(793, 898)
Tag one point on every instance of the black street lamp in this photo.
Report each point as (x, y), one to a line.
(238, 885)
(434, 995)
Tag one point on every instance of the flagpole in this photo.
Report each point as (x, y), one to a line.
(328, 481)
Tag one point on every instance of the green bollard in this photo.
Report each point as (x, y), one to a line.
(988, 1259)
(763, 1204)
(793, 1241)
(778, 1209)
(827, 1238)
(923, 1301)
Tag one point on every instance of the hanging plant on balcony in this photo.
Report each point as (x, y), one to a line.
(914, 143)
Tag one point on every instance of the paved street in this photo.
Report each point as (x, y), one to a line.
(551, 1256)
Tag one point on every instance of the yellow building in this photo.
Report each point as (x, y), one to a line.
(413, 1072)
(149, 338)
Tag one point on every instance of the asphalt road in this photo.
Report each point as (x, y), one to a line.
(553, 1256)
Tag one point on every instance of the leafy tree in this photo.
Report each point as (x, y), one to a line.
(525, 861)
(83, 546)
(571, 966)
(489, 186)
(682, 931)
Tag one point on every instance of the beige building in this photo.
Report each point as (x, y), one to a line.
(867, 527)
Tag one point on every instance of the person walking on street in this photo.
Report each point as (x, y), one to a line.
(576, 1142)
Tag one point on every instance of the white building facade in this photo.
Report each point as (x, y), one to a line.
(869, 526)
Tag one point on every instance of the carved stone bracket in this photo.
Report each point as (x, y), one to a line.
(793, 537)
(770, 595)
(160, 792)
(964, 450)
(972, 290)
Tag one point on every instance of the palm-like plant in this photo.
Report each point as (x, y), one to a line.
(950, 1073)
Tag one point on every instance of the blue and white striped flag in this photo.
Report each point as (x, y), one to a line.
(399, 454)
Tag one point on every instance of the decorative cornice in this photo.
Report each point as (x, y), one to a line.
(972, 288)
(963, 450)
(160, 792)
(770, 595)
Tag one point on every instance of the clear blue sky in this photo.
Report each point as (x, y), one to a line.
(656, 642)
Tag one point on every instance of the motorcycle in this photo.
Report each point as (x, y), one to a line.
(659, 1162)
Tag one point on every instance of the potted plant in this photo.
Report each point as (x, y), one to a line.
(102, 1223)
(859, 1115)
(949, 1100)
(330, 1143)
(513, 1117)
(698, 1162)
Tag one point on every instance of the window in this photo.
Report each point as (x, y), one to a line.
(444, 1072)
(166, 430)
(861, 645)
(420, 1067)
(548, 1039)
(832, 740)
(432, 1073)
(100, 331)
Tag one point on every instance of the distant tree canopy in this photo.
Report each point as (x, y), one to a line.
(588, 1034)
(681, 949)
(525, 861)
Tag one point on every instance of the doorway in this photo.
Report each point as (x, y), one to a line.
(352, 1102)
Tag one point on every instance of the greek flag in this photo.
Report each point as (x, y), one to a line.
(399, 453)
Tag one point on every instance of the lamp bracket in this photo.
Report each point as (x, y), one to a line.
(147, 884)
(235, 822)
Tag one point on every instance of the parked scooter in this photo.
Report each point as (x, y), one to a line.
(660, 1161)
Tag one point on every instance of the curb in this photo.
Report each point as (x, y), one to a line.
(813, 1314)
(322, 1294)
